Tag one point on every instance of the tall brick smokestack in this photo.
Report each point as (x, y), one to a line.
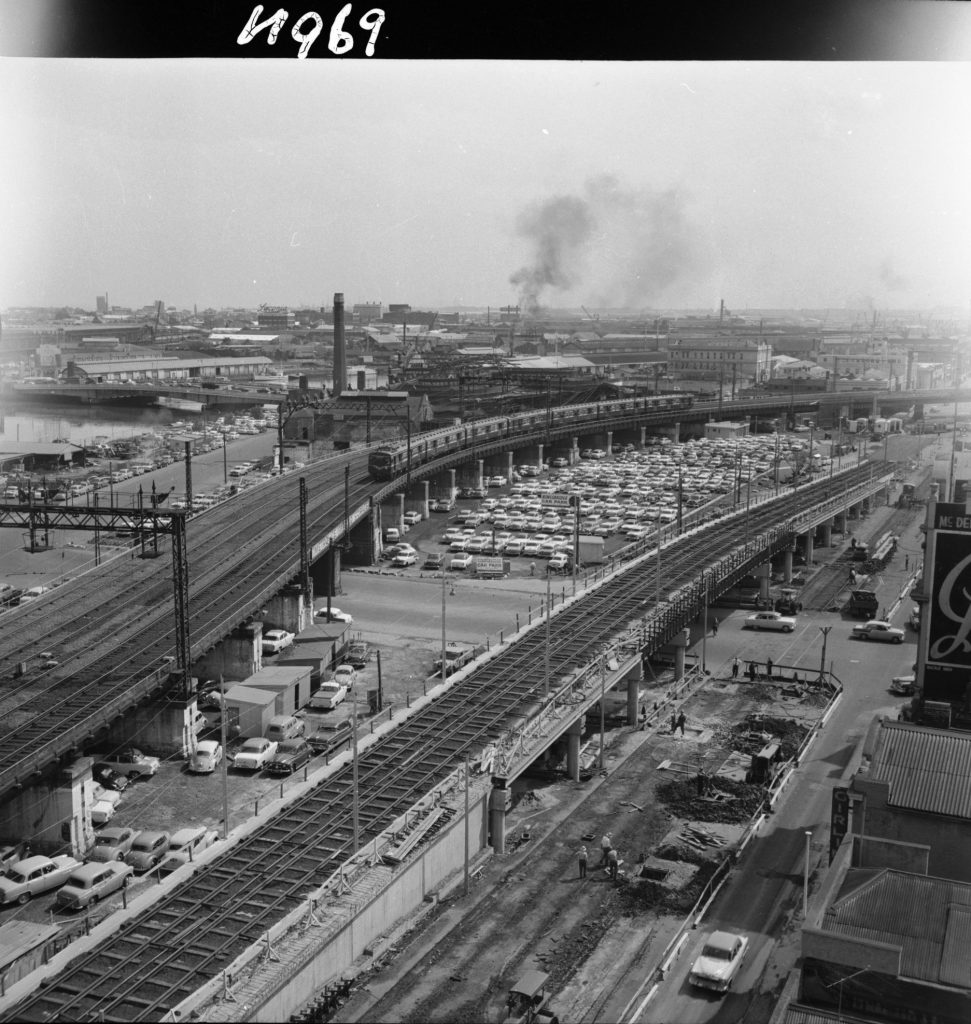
(340, 355)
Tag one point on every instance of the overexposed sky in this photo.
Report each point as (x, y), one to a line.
(470, 183)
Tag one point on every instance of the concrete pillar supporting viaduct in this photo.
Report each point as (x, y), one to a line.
(575, 451)
(480, 473)
(808, 541)
(510, 465)
(826, 535)
(610, 443)
(634, 680)
(680, 644)
(539, 457)
(573, 750)
(787, 565)
(425, 507)
(452, 490)
(500, 800)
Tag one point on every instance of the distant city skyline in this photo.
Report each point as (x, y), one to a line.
(470, 184)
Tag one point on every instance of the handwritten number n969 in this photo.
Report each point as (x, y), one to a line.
(309, 26)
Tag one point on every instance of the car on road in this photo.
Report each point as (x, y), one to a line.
(443, 505)
(336, 615)
(276, 640)
(878, 630)
(254, 754)
(93, 882)
(331, 693)
(148, 849)
(903, 686)
(206, 758)
(106, 776)
(185, 845)
(131, 763)
(290, 756)
(35, 875)
(720, 961)
(112, 844)
(412, 518)
(770, 620)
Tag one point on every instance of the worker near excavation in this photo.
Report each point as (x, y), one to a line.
(606, 845)
(681, 721)
(612, 864)
(583, 862)
(735, 667)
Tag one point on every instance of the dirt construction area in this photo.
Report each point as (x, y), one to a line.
(530, 909)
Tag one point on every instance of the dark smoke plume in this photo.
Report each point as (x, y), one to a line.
(618, 246)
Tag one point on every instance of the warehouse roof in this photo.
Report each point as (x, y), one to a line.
(925, 769)
(929, 919)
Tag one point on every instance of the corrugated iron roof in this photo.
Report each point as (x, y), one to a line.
(926, 769)
(928, 918)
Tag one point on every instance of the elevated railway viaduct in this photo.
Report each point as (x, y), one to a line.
(317, 862)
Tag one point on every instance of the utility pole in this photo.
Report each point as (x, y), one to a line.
(822, 658)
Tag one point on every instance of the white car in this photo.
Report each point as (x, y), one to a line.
(276, 640)
(254, 753)
(35, 875)
(206, 758)
(102, 811)
(331, 693)
(460, 561)
(720, 961)
(403, 559)
(336, 615)
(412, 518)
(879, 630)
(345, 674)
(770, 620)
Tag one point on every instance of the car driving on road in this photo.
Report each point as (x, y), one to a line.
(720, 961)
(879, 631)
(770, 620)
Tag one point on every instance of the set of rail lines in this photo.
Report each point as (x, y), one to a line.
(111, 631)
(193, 933)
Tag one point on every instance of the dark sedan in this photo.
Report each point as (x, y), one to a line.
(109, 778)
(290, 755)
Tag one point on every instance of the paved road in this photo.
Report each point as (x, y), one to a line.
(765, 891)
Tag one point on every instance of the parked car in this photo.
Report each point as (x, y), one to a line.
(770, 620)
(106, 776)
(254, 754)
(412, 518)
(330, 736)
(403, 559)
(460, 561)
(276, 640)
(434, 560)
(720, 961)
(336, 615)
(93, 882)
(148, 849)
(102, 811)
(206, 758)
(358, 654)
(185, 845)
(290, 755)
(443, 505)
(131, 763)
(878, 630)
(35, 875)
(112, 844)
(558, 562)
(331, 693)
(285, 727)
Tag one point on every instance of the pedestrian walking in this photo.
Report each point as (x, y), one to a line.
(906, 562)
(714, 627)
(532, 568)
(612, 864)
(768, 667)
(583, 862)
(674, 722)
(606, 845)
(681, 721)
(735, 667)
(643, 717)
(752, 671)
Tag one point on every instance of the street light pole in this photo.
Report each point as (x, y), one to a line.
(603, 701)
(822, 658)
(805, 877)
(546, 648)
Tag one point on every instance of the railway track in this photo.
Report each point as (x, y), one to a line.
(195, 931)
(114, 653)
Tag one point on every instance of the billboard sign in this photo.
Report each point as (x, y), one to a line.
(948, 637)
